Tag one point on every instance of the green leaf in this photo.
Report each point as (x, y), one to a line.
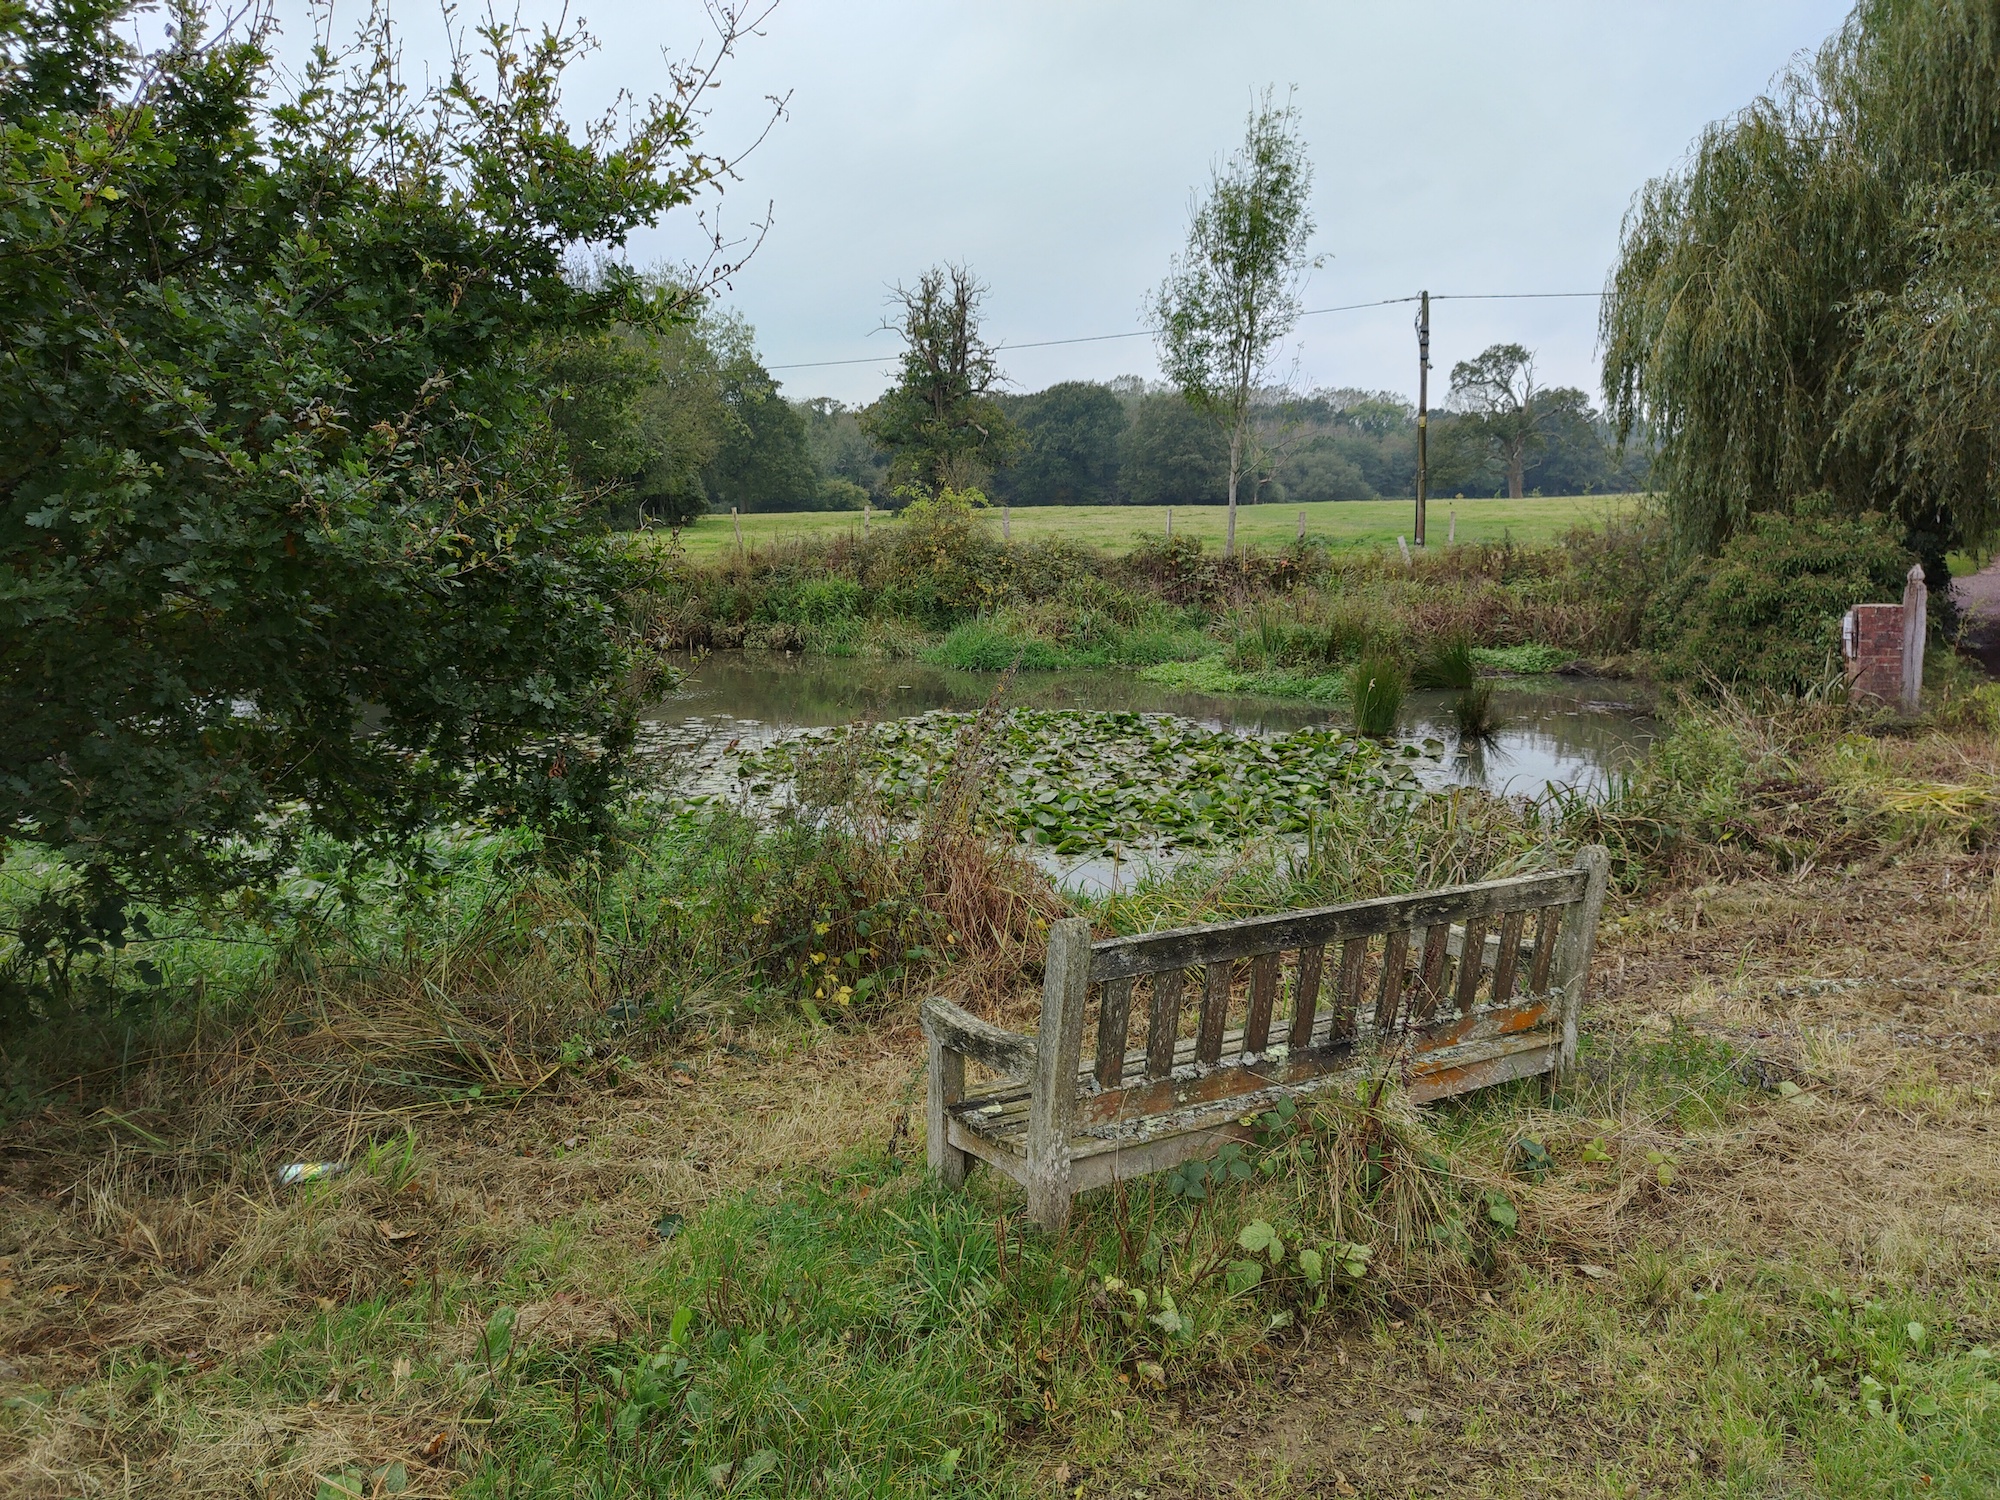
(1500, 1209)
(1243, 1275)
(1312, 1266)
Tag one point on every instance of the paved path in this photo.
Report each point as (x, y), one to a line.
(1978, 598)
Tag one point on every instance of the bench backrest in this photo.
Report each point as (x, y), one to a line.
(1410, 971)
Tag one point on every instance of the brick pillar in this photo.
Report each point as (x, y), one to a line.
(1871, 639)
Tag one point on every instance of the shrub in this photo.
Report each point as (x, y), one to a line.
(1765, 611)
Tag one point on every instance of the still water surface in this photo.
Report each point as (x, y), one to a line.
(1555, 731)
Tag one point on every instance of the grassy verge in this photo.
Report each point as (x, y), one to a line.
(1117, 528)
(619, 1219)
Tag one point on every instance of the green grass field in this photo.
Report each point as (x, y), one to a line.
(1343, 523)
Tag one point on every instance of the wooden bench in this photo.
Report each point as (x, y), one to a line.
(1372, 985)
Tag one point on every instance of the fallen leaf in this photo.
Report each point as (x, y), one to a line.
(684, 1080)
(6, 1287)
(434, 1449)
(400, 1370)
(1413, 1415)
(1595, 1273)
(392, 1234)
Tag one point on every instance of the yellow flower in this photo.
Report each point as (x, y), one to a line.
(820, 929)
(819, 958)
(760, 919)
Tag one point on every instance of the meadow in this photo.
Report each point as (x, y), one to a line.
(1117, 528)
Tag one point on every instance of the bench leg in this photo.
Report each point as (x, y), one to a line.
(1058, 1049)
(1050, 1188)
(1572, 959)
(945, 1086)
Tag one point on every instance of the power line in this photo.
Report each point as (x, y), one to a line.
(1146, 333)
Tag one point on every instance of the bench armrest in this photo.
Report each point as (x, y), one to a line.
(1007, 1053)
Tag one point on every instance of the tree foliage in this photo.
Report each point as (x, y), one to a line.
(1808, 305)
(287, 538)
(1765, 610)
(1232, 295)
(1069, 446)
(761, 460)
(1498, 390)
(940, 421)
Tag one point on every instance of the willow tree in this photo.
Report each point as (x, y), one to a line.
(1807, 309)
(1232, 296)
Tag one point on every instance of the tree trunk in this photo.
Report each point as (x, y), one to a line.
(1235, 469)
(1517, 464)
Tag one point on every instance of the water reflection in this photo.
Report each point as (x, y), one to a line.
(1572, 732)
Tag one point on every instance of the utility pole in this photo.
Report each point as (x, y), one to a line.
(1423, 408)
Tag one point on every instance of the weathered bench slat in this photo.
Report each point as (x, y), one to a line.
(1114, 1007)
(1545, 949)
(1263, 1000)
(1436, 938)
(1471, 963)
(1509, 956)
(1353, 976)
(1305, 996)
(1214, 1011)
(1395, 953)
(1164, 1027)
(1190, 947)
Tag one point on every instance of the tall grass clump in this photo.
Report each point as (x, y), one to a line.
(1446, 663)
(1474, 712)
(1376, 686)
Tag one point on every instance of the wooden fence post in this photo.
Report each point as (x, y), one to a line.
(1059, 1048)
(1170, 523)
(1916, 625)
(945, 1086)
(1571, 969)
(737, 521)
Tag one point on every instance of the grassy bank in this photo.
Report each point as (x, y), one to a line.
(1118, 528)
(619, 1217)
(939, 585)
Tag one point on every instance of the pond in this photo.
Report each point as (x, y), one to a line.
(1555, 731)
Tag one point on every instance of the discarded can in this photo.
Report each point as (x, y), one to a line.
(309, 1171)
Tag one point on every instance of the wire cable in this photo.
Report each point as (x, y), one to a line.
(1146, 333)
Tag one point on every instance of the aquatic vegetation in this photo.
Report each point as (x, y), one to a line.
(1083, 782)
(1523, 659)
(1446, 663)
(1475, 714)
(1213, 674)
(1377, 685)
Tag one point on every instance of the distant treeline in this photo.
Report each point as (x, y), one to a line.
(1133, 442)
(710, 431)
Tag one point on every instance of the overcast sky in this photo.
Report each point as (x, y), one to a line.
(1465, 146)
